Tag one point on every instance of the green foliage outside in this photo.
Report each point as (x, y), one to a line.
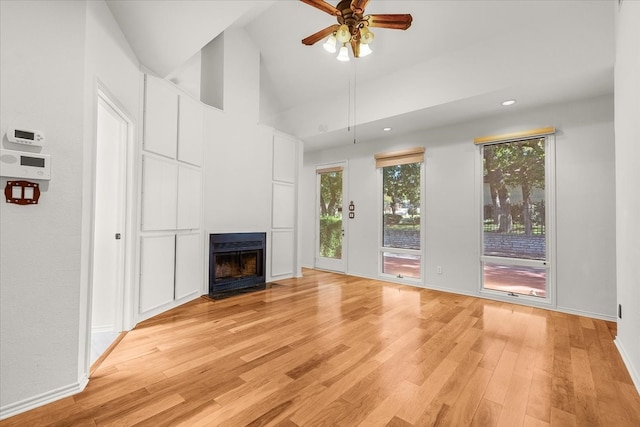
(398, 222)
(331, 237)
(514, 165)
(401, 196)
(401, 186)
(331, 215)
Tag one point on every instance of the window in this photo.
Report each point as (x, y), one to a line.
(401, 253)
(516, 199)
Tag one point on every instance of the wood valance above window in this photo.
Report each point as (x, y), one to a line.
(329, 169)
(403, 157)
(514, 136)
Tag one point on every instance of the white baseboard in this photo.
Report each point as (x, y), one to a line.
(611, 318)
(100, 329)
(582, 313)
(635, 376)
(43, 399)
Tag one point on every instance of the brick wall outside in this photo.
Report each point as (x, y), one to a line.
(514, 245)
(495, 244)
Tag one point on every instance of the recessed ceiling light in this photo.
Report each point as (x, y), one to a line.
(386, 129)
(509, 102)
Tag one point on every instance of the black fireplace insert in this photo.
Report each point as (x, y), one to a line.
(236, 261)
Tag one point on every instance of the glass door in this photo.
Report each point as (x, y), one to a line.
(330, 227)
(515, 240)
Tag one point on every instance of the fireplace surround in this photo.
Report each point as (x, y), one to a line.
(236, 261)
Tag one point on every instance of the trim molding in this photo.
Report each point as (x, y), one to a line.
(635, 376)
(43, 399)
(514, 135)
(106, 353)
(492, 297)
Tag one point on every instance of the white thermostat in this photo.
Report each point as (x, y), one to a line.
(25, 136)
(17, 164)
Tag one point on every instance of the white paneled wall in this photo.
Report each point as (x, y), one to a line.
(171, 258)
(156, 271)
(172, 240)
(160, 117)
(159, 193)
(283, 207)
(189, 198)
(190, 131)
(188, 265)
(282, 253)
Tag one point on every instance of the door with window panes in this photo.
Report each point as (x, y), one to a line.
(330, 226)
(516, 232)
(401, 197)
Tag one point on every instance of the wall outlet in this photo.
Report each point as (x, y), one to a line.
(439, 269)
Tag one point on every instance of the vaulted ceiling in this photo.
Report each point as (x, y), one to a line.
(457, 62)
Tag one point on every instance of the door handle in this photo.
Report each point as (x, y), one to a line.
(118, 236)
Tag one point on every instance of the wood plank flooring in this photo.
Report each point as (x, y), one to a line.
(334, 350)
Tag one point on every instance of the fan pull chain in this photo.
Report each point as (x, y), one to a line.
(355, 104)
(349, 106)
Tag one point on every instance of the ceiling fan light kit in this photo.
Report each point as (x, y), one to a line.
(343, 55)
(330, 44)
(353, 27)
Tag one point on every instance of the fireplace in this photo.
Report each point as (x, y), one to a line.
(236, 261)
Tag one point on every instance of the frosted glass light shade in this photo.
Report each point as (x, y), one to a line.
(365, 50)
(366, 36)
(343, 34)
(344, 54)
(330, 44)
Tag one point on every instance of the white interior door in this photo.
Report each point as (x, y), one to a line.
(331, 247)
(109, 226)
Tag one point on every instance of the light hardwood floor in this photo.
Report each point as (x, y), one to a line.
(330, 349)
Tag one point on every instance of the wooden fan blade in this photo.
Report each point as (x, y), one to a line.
(313, 38)
(355, 47)
(323, 6)
(358, 6)
(393, 21)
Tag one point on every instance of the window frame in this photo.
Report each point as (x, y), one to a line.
(414, 281)
(550, 300)
(323, 263)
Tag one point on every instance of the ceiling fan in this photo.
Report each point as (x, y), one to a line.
(353, 26)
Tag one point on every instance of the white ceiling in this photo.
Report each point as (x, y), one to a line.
(458, 60)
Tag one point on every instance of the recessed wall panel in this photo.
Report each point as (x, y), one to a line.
(159, 194)
(283, 209)
(284, 159)
(160, 117)
(282, 253)
(190, 131)
(189, 265)
(189, 198)
(157, 261)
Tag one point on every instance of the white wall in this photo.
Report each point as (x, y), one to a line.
(237, 177)
(241, 75)
(42, 84)
(231, 75)
(585, 199)
(627, 128)
(49, 83)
